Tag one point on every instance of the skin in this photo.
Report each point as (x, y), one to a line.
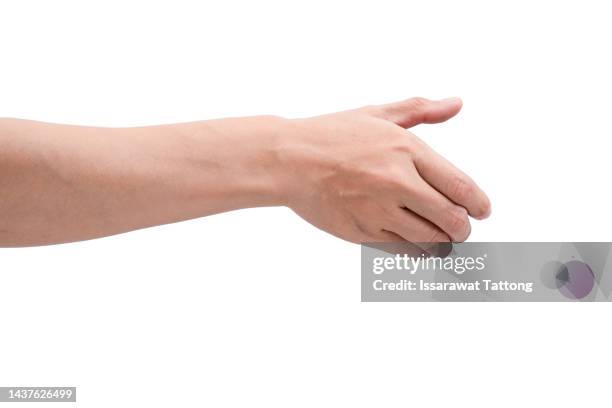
(358, 175)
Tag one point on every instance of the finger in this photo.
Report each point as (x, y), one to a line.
(362, 235)
(387, 236)
(414, 228)
(413, 249)
(452, 182)
(430, 204)
(414, 111)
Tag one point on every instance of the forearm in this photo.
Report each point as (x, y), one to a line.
(62, 183)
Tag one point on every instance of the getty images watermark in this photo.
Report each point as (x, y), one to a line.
(516, 271)
(456, 265)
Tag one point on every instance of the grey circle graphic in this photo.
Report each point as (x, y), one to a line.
(554, 274)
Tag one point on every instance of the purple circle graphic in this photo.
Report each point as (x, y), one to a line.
(579, 280)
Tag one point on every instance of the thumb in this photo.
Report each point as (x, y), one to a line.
(414, 111)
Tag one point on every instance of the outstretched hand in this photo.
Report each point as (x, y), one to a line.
(362, 177)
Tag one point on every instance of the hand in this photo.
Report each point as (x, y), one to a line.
(362, 177)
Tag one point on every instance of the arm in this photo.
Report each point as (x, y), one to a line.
(357, 174)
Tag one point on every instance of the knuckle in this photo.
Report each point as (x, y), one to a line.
(418, 102)
(404, 147)
(460, 189)
(390, 174)
(458, 223)
(417, 144)
(436, 237)
(409, 144)
(408, 137)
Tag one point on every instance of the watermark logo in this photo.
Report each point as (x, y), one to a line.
(477, 271)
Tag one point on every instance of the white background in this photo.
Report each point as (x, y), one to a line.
(258, 308)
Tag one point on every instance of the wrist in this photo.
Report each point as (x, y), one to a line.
(296, 160)
(272, 173)
(249, 151)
